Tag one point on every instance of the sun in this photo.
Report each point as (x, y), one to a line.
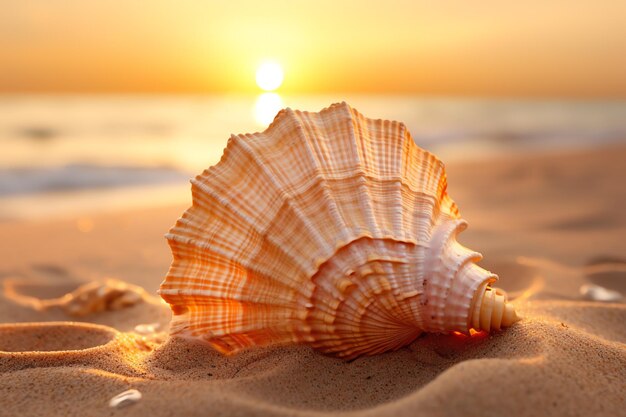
(269, 75)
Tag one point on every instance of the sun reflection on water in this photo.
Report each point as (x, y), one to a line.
(266, 107)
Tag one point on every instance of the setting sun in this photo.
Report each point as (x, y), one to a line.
(269, 75)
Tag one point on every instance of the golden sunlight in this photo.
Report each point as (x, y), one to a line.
(269, 75)
(266, 107)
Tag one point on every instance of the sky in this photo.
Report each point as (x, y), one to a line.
(556, 48)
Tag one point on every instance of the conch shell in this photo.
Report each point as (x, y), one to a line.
(329, 229)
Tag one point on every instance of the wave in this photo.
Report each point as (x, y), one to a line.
(72, 177)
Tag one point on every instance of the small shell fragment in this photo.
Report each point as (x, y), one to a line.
(125, 399)
(598, 293)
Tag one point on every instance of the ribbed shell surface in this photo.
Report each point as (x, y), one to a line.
(327, 228)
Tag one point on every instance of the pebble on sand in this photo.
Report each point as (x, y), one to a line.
(125, 399)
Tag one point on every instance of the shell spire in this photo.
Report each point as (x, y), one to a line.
(330, 229)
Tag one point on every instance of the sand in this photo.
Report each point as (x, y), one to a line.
(547, 224)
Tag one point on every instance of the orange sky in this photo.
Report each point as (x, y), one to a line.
(570, 48)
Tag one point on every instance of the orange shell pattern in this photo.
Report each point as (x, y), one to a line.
(327, 228)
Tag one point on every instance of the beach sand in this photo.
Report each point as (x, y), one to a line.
(547, 224)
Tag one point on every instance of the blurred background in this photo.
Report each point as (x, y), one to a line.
(114, 104)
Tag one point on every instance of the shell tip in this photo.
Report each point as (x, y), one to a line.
(493, 311)
(510, 316)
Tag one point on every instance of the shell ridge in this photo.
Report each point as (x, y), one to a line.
(287, 201)
(477, 277)
(251, 264)
(369, 344)
(351, 257)
(355, 316)
(261, 232)
(211, 256)
(460, 291)
(325, 245)
(225, 320)
(209, 295)
(405, 312)
(360, 150)
(433, 291)
(401, 225)
(458, 300)
(448, 305)
(348, 163)
(307, 129)
(349, 312)
(329, 198)
(201, 184)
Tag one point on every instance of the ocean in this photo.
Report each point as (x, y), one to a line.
(71, 155)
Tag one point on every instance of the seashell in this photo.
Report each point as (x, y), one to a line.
(329, 229)
(92, 297)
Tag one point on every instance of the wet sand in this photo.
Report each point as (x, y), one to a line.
(547, 224)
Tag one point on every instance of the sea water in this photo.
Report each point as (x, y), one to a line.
(65, 155)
